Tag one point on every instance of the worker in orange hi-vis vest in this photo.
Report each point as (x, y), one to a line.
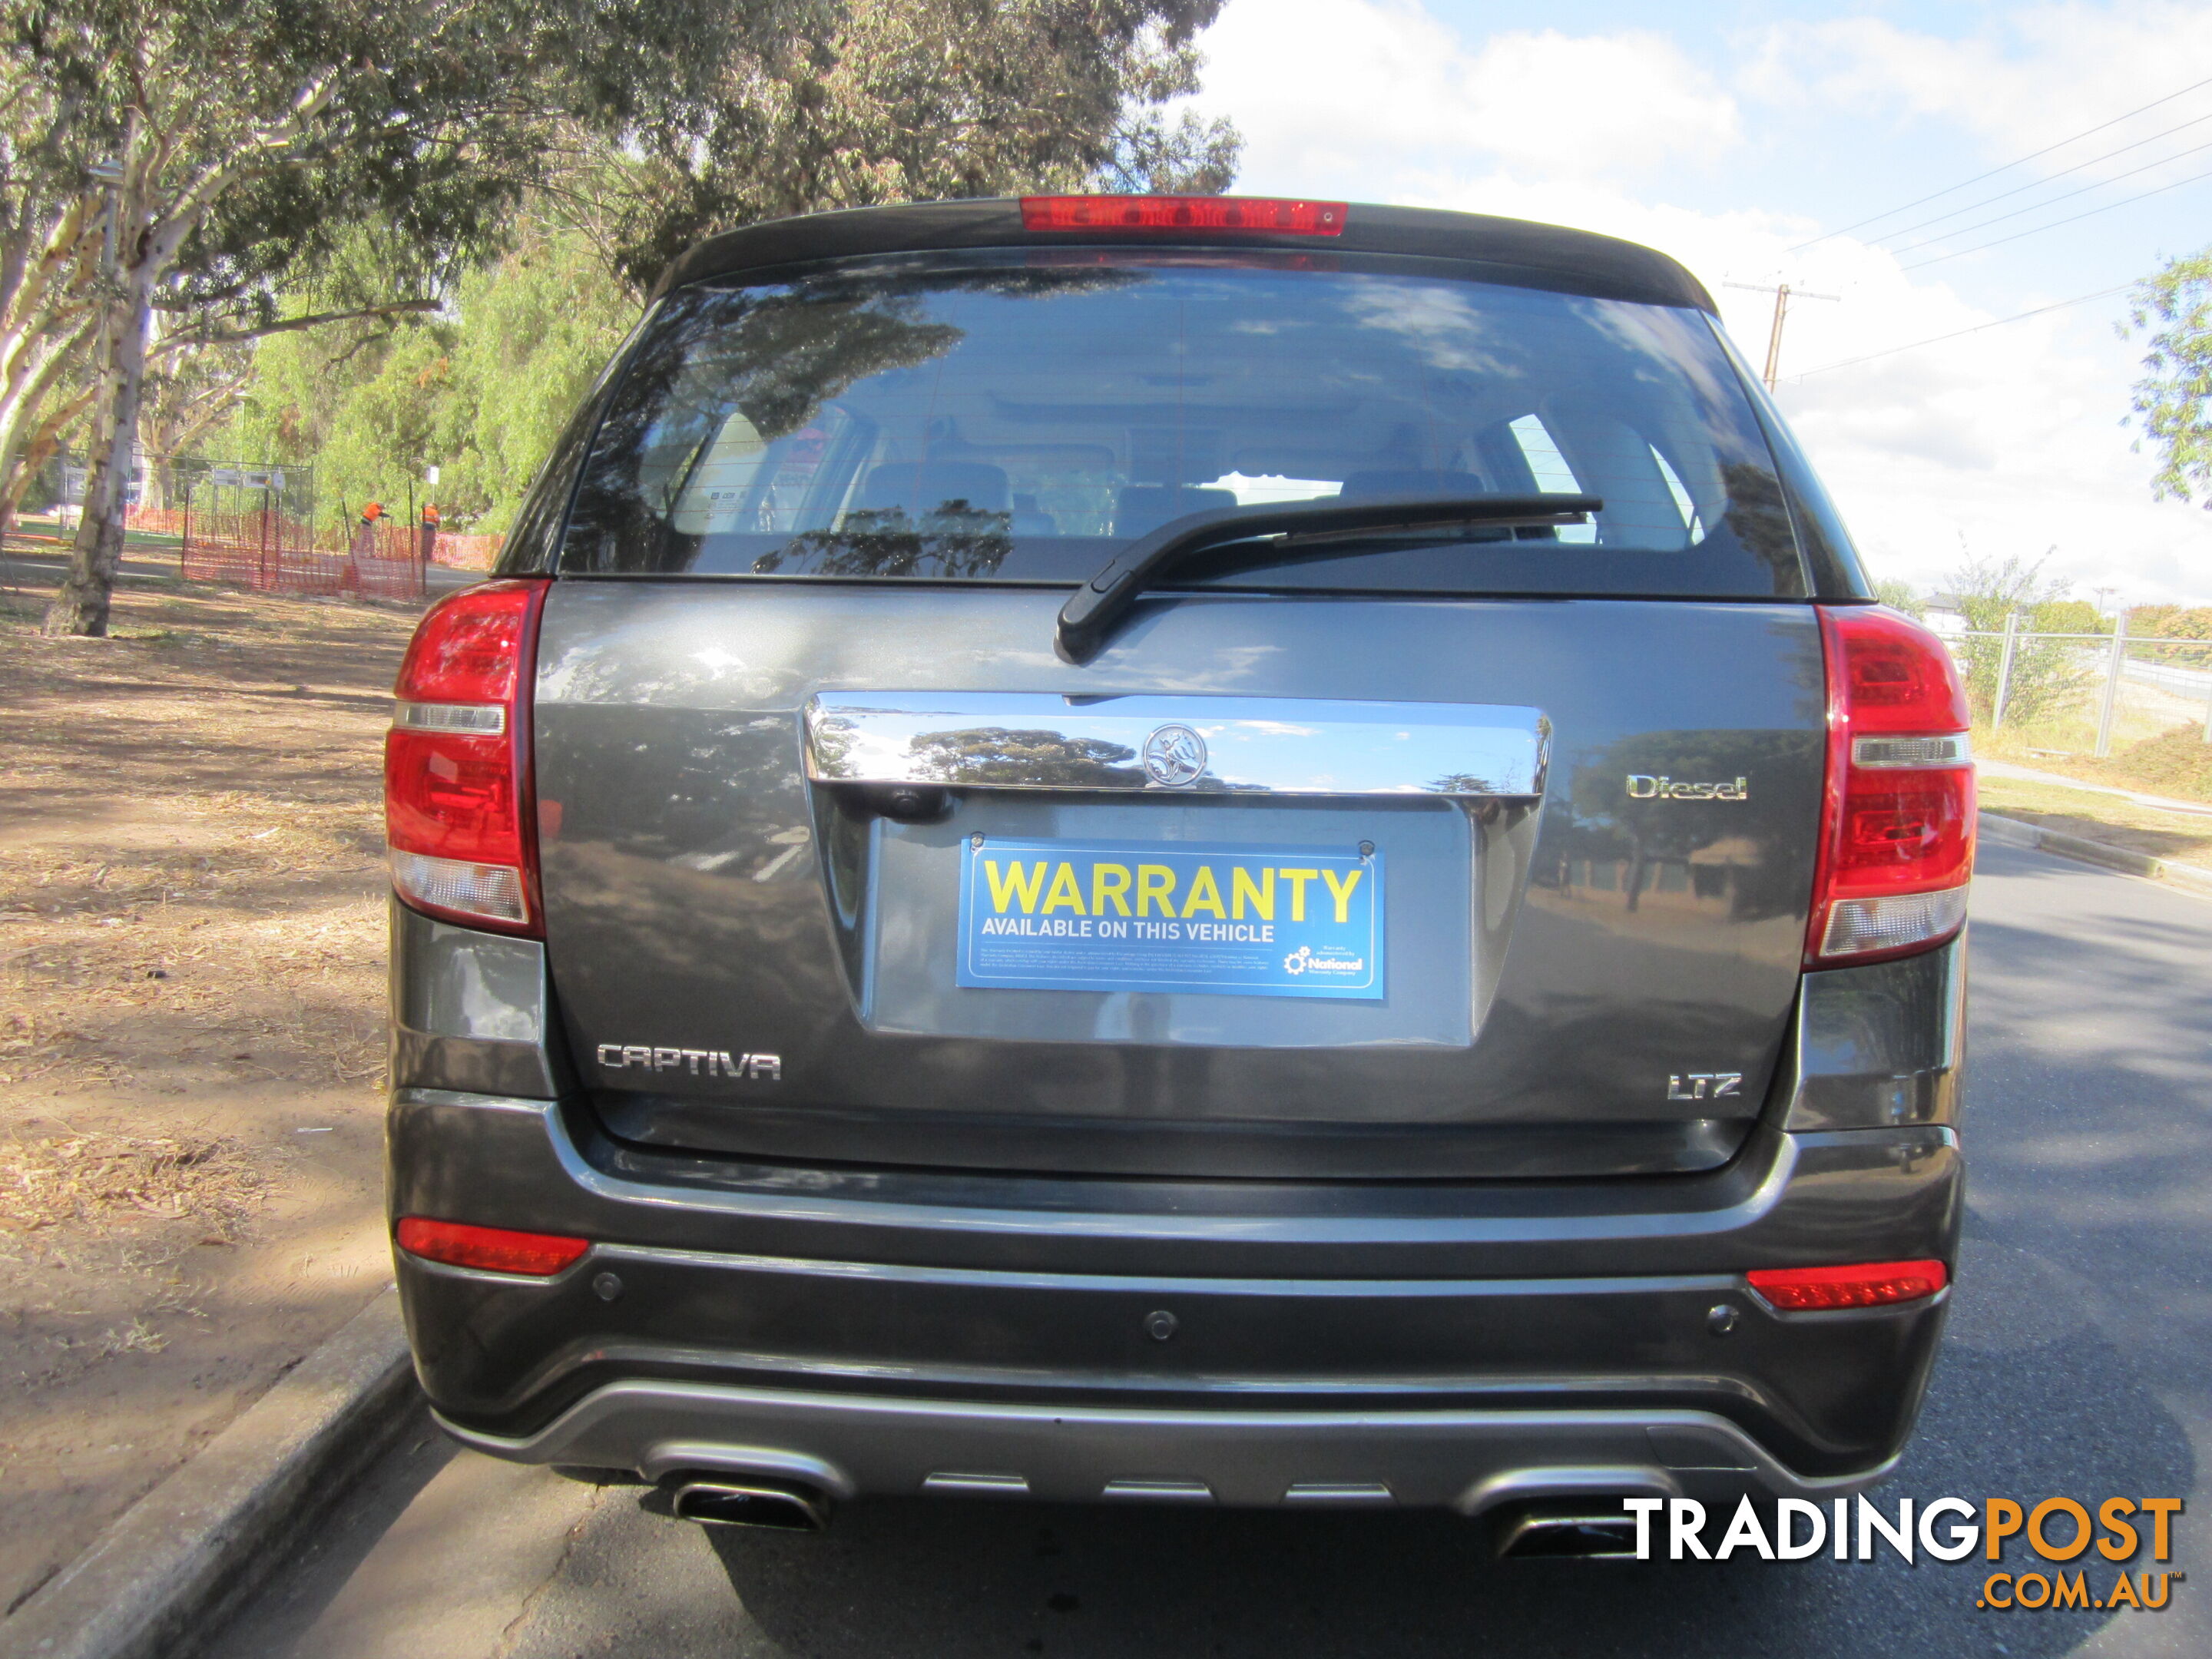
(364, 535)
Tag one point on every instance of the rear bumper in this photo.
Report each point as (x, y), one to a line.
(1470, 1460)
(1455, 1345)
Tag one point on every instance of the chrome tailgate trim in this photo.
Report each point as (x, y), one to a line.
(1244, 746)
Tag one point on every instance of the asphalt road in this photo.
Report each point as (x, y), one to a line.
(2078, 1363)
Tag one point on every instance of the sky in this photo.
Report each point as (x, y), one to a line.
(1759, 144)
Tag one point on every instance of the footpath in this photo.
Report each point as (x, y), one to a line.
(192, 950)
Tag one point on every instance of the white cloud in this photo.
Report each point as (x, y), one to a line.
(2005, 441)
(2029, 75)
(1333, 89)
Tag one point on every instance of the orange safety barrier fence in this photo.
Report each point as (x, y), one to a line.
(465, 552)
(267, 550)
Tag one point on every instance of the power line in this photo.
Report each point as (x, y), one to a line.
(2038, 184)
(2078, 300)
(2051, 201)
(2018, 161)
(2034, 229)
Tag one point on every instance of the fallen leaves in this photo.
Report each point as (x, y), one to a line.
(98, 1179)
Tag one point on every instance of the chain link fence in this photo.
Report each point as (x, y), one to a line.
(2085, 693)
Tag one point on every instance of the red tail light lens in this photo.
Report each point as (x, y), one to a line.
(495, 1249)
(1248, 215)
(1869, 1284)
(456, 761)
(1898, 843)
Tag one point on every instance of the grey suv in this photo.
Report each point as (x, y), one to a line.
(1160, 850)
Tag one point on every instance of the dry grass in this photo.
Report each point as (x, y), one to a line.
(91, 1179)
(2108, 818)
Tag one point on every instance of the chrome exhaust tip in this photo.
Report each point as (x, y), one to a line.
(752, 1504)
(1584, 1534)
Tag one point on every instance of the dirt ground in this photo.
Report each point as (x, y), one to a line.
(191, 964)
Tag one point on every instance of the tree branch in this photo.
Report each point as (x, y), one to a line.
(291, 325)
(184, 212)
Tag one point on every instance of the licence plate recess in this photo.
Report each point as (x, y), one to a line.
(1184, 917)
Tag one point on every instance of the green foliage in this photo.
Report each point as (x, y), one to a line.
(480, 394)
(286, 123)
(1899, 596)
(2172, 401)
(2172, 622)
(892, 101)
(536, 330)
(2047, 676)
(2067, 616)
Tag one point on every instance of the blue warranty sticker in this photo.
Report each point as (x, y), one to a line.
(1085, 915)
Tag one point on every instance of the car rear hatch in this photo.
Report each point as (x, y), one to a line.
(1472, 851)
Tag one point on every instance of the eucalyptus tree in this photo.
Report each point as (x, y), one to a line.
(218, 146)
(50, 237)
(892, 101)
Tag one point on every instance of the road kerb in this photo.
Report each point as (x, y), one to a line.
(2011, 832)
(190, 1550)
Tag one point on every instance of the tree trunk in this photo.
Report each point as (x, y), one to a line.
(22, 413)
(80, 608)
(26, 465)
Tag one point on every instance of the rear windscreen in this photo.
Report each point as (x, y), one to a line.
(1021, 417)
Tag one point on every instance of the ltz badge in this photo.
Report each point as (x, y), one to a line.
(1703, 1085)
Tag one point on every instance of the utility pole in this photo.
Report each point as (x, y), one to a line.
(1783, 294)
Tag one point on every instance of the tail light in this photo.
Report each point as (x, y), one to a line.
(1897, 847)
(1869, 1284)
(1246, 214)
(495, 1249)
(457, 783)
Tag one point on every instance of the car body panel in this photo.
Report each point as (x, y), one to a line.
(702, 896)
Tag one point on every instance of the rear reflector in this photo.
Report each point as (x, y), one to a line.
(1858, 927)
(1869, 1284)
(1244, 215)
(1897, 844)
(456, 761)
(495, 1249)
(491, 892)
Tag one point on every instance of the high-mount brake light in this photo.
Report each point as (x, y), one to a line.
(493, 1249)
(457, 783)
(1867, 1284)
(1244, 215)
(1897, 844)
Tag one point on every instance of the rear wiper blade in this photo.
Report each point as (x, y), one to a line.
(1096, 608)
